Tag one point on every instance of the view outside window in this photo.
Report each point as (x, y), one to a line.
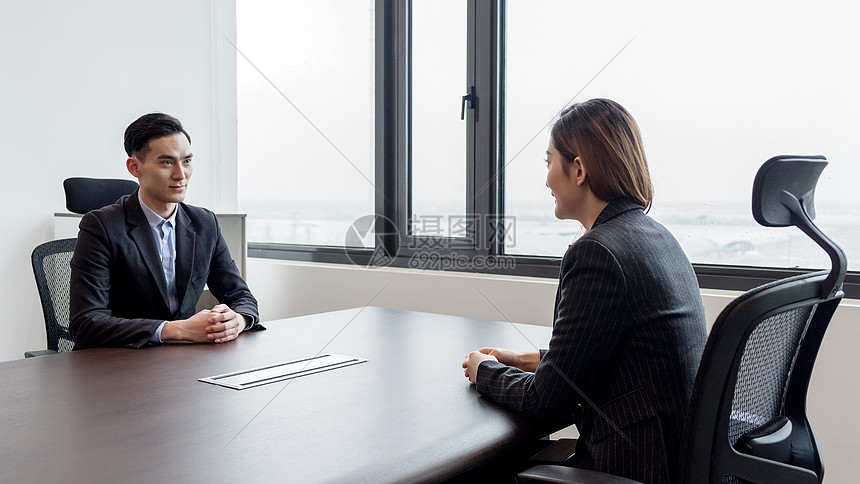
(438, 133)
(305, 74)
(717, 89)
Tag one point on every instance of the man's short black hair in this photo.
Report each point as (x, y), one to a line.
(148, 127)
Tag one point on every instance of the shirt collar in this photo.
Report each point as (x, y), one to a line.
(153, 218)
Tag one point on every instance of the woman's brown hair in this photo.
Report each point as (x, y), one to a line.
(606, 138)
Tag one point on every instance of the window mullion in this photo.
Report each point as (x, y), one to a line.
(486, 161)
(392, 122)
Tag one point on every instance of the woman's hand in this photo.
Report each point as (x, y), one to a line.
(524, 360)
(473, 361)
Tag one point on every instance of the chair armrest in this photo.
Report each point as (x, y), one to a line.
(31, 354)
(557, 452)
(568, 475)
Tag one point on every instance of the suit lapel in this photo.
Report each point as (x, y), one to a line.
(186, 237)
(141, 233)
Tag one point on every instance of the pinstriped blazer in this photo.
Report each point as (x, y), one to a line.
(628, 333)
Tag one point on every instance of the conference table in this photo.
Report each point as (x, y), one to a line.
(407, 414)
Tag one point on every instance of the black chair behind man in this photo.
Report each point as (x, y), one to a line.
(747, 419)
(53, 273)
(51, 259)
(85, 194)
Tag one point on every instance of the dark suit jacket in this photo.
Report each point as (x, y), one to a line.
(118, 290)
(628, 333)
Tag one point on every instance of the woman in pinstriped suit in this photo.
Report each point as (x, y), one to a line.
(629, 325)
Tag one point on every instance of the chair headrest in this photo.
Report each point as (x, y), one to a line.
(85, 194)
(784, 195)
(778, 180)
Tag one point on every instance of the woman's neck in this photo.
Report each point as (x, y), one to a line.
(592, 206)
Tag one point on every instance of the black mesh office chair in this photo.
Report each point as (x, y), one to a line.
(85, 194)
(51, 259)
(53, 273)
(747, 419)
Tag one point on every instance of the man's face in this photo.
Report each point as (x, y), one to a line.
(164, 173)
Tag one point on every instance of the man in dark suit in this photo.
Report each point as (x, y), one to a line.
(140, 265)
(629, 324)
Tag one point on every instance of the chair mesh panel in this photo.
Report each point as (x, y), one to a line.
(764, 370)
(51, 265)
(59, 272)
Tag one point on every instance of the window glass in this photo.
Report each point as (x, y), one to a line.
(438, 144)
(717, 89)
(306, 118)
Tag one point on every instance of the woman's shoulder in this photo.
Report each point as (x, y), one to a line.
(592, 247)
(629, 237)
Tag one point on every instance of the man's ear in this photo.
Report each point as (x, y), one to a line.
(578, 171)
(132, 164)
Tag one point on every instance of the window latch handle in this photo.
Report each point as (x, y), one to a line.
(468, 98)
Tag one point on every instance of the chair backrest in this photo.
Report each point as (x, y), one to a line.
(85, 194)
(51, 266)
(747, 418)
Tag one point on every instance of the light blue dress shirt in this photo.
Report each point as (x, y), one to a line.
(164, 232)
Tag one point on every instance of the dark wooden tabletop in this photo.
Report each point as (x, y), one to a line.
(406, 415)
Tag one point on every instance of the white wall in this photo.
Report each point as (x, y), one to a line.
(286, 289)
(73, 75)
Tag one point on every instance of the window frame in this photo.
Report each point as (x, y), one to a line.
(485, 166)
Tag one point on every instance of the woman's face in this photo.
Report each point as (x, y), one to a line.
(564, 186)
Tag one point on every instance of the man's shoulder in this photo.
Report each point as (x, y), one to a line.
(200, 217)
(109, 214)
(195, 211)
